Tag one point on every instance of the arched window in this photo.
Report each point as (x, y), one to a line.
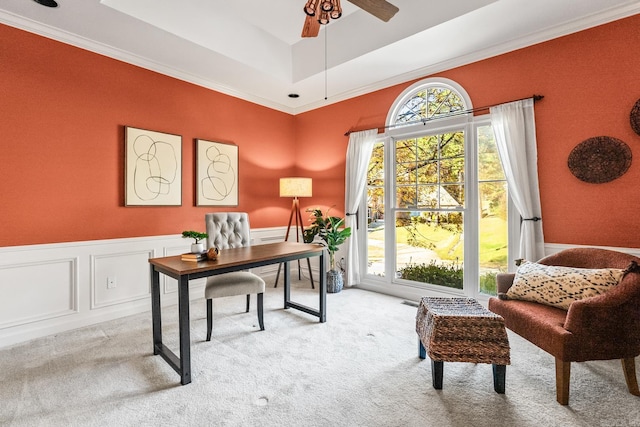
(431, 99)
(436, 196)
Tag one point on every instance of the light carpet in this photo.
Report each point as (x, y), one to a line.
(361, 368)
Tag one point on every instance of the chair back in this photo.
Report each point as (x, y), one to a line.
(590, 258)
(228, 230)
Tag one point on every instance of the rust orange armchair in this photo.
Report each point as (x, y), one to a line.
(601, 327)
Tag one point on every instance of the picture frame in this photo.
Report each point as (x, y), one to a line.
(216, 173)
(153, 168)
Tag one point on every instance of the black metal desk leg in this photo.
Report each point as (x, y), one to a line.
(185, 336)
(287, 285)
(156, 315)
(323, 288)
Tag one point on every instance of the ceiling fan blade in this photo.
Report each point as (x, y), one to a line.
(311, 27)
(381, 9)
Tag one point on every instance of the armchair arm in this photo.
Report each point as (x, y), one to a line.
(609, 318)
(504, 282)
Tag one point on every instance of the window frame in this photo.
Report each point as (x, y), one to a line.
(471, 212)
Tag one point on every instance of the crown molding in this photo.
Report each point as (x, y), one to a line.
(569, 27)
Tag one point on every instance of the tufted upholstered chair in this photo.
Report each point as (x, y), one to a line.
(602, 327)
(231, 230)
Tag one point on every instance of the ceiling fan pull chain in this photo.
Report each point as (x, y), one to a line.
(326, 79)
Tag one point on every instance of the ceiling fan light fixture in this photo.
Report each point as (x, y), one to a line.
(328, 10)
(319, 12)
(311, 7)
(324, 18)
(327, 6)
(337, 10)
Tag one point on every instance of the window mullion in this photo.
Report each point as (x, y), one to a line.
(390, 197)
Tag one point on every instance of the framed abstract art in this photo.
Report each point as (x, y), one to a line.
(153, 168)
(216, 173)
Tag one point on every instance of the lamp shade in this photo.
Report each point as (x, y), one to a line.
(295, 187)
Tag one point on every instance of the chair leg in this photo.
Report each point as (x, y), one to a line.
(563, 375)
(248, 302)
(209, 318)
(629, 368)
(260, 311)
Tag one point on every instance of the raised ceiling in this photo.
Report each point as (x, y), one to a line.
(252, 49)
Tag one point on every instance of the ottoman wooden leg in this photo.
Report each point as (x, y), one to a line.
(436, 374)
(499, 374)
(422, 352)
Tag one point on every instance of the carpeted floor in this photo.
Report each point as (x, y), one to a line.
(361, 368)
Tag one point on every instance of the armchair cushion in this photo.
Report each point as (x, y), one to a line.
(559, 286)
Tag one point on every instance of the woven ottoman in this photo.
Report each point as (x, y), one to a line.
(461, 330)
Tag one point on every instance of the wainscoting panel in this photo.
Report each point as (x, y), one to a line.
(51, 288)
(119, 278)
(38, 291)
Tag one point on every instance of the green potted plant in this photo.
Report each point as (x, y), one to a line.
(330, 231)
(197, 247)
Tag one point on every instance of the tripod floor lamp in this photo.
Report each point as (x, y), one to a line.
(295, 187)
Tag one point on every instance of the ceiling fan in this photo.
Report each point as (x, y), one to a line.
(320, 12)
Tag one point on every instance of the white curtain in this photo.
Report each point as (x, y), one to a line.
(358, 157)
(515, 131)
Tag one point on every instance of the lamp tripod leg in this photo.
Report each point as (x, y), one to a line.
(295, 211)
(299, 229)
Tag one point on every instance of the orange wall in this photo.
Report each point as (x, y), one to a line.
(62, 117)
(590, 81)
(62, 112)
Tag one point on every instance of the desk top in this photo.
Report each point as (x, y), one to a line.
(237, 257)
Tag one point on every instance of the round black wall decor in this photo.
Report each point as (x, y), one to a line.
(635, 117)
(600, 159)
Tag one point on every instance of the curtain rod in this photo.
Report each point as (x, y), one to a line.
(456, 113)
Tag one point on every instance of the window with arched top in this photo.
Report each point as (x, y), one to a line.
(428, 101)
(436, 200)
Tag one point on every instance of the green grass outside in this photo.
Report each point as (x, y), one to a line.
(449, 246)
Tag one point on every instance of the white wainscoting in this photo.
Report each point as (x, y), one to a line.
(51, 288)
(48, 289)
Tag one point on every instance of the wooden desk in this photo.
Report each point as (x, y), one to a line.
(229, 260)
